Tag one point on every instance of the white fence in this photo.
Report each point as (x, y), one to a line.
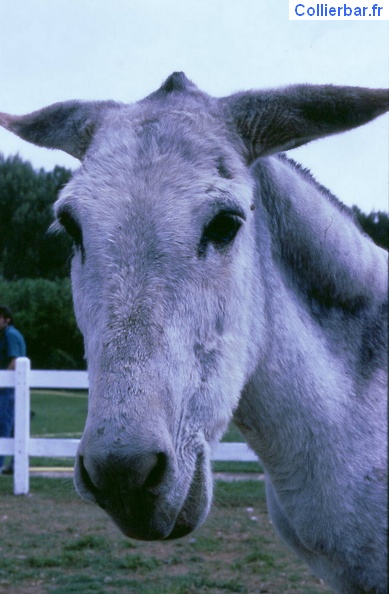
(22, 446)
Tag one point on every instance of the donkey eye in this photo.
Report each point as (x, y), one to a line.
(222, 229)
(71, 227)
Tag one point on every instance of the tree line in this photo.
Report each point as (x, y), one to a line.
(34, 265)
(34, 262)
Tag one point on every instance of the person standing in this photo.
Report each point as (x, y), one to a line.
(12, 345)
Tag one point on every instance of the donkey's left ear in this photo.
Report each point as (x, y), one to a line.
(68, 126)
(282, 119)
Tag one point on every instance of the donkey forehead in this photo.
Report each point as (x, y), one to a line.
(184, 132)
(160, 157)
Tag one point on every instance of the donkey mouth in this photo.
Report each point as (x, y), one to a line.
(149, 525)
(151, 513)
(155, 519)
(143, 522)
(197, 502)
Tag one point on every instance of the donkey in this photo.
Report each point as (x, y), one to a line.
(214, 279)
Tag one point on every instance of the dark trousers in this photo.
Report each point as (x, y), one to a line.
(7, 414)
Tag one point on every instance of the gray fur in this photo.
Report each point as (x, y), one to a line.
(272, 314)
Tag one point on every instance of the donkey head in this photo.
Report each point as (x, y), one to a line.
(166, 277)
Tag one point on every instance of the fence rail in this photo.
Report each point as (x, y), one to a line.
(22, 446)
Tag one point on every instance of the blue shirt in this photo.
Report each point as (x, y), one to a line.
(12, 345)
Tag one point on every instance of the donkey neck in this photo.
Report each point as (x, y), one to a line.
(325, 283)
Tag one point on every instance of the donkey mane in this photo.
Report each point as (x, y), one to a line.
(307, 173)
(318, 248)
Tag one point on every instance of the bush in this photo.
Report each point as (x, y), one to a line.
(43, 312)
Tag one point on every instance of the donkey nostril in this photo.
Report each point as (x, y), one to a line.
(84, 483)
(157, 473)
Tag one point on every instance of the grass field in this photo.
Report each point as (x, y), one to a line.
(52, 542)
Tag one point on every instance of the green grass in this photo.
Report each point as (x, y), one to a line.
(51, 542)
(58, 414)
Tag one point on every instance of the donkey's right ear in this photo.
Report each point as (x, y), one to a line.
(68, 126)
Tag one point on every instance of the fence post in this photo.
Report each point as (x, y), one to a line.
(22, 426)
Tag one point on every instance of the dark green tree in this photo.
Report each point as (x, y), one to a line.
(27, 249)
(375, 224)
(34, 267)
